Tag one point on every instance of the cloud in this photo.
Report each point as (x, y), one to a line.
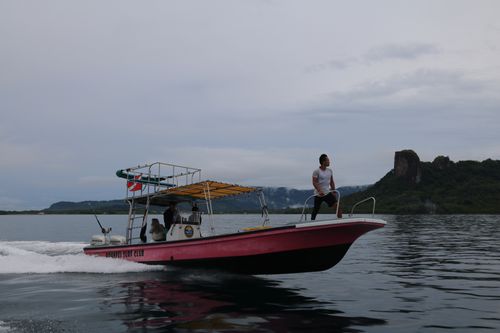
(379, 54)
(336, 64)
(416, 89)
(8, 202)
(90, 181)
(201, 84)
(400, 51)
(429, 110)
(260, 167)
(18, 155)
(285, 167)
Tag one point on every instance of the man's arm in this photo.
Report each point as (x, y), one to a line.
(316, 185)
(332, 183)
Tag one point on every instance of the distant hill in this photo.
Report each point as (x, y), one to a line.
(279, 199)
(87, 207)
(412, 187)
(438, 187)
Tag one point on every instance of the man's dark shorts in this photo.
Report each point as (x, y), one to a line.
(330, 199)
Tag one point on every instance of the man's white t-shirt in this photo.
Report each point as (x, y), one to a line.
(323, 178)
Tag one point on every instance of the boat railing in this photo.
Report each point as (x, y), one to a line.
(154, 177)
(363, 201)
(303, 216)
(146, 180)
(263, 207)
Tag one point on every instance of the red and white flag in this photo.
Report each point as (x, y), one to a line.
(133, 186)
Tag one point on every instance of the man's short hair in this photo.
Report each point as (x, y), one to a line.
(322, 158)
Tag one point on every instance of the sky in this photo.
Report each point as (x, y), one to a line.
(251, 92)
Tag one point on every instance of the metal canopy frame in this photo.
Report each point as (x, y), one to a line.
(163, 183)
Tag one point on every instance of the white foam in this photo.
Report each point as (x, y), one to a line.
(4, 327)
(60, 257)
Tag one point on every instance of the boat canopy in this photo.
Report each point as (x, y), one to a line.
(204, 190)
(160, 184)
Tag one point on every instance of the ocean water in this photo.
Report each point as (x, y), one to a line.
(418, 274)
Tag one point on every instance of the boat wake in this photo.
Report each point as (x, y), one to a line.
(60, 257)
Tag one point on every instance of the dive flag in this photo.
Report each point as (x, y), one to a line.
(133, 186)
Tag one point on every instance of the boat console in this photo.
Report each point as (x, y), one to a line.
(181, 231)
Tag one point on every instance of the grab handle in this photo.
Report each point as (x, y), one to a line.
(362, 201)
(303, 215)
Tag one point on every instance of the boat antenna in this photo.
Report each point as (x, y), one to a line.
(103, 230)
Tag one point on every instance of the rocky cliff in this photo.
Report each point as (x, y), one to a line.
(441, 186)
(407, 166)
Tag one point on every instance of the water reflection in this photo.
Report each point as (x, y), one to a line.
(218, 302)
(444, 247)
(418, 274)
(443, 265)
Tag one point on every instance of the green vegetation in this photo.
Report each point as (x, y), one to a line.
(465, 187)
(445, 187)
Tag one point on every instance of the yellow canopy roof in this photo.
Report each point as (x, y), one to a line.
(215, 189)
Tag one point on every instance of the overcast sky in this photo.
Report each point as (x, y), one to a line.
(252, 92)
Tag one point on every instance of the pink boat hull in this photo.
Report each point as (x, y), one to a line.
(312, 246)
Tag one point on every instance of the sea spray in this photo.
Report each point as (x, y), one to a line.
(59, 257)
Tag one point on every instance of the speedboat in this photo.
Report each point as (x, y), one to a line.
(296, 247)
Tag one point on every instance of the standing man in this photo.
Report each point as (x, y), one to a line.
(322, 180)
